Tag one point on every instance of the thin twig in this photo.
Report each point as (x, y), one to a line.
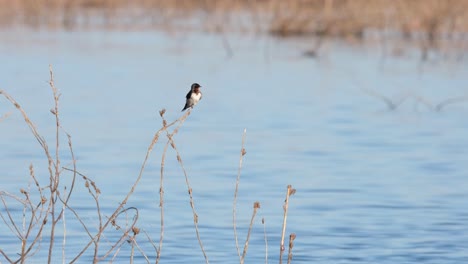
(291, 245)
(54, 178)
(246, 245)
(125, 233)
(234, 206)
(192, 203)
(134, 243)
(161, 191)
(130, 192)
(289, 192)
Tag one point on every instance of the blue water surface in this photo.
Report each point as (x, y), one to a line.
(374, 185)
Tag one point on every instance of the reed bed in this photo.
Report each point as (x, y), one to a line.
(429, 25)
(409, 18)
(47, 205)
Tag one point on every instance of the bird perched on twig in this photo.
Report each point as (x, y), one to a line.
(193, 96)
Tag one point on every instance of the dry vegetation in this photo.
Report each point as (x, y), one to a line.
(433, 18)
(38, 215)
(430, 25)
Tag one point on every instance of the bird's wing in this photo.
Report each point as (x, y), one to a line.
(189, 94)
(187, 104)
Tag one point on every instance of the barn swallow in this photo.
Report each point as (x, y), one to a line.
(193, 96)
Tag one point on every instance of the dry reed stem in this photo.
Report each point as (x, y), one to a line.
(161, 191)
(234, 206)
(13, 227)
(290, 191)
(26, 194)
(151, 241)
(132, 240)
(54, 179)
(39, 214)
(116, 212)
(179, 159)
(40, 207)
(130, 192)
(291, 245)
(94, 192)
(256, 206)
(161, 204)
(125, 232)
(161, 188)
(53, 176)
(72, 154)
(74, 211)
(70, 191)
(33, 221)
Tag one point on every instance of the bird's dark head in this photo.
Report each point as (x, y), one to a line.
(195, 87)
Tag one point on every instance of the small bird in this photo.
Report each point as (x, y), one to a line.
(193, 96)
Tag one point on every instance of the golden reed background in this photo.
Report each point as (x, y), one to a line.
(283, 17)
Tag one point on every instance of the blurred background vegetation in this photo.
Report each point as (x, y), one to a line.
(428, 19)
(428, 24)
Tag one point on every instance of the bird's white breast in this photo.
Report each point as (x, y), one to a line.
(196, 97)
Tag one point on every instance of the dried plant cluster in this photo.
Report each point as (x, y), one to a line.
(47, 208)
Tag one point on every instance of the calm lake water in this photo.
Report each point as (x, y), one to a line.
(374, 185)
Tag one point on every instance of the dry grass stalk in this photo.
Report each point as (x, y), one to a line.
(291, 245)
(170, 137)
(117, 211)
(290, 191)
(30, 233)
(256, 206)
(234, 206)
(171, 142)
(161, 191)
(54, 179)
(54, 176)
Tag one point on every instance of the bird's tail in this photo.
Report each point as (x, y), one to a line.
(185, 107)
